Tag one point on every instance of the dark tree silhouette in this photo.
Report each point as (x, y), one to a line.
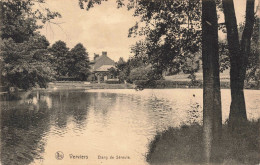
(212, 117)
(239, 51)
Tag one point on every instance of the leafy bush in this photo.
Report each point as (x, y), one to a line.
(140, 73)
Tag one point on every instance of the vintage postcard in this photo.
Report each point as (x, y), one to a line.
(129, 82)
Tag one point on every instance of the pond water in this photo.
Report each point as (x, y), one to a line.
(92, 126)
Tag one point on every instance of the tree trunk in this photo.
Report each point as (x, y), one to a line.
(212, 116)
(238, 54)
(1, 22)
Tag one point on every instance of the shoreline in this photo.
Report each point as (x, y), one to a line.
(138, 85)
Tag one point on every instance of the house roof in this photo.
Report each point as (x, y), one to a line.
(104, 68)
(103, 61)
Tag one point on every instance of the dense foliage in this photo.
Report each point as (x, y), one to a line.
(134, 68)
(253, 68)
(24, 55)
(59, 52)
(26, 64)
(78, 63)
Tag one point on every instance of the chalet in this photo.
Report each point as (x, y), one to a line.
(100, 68)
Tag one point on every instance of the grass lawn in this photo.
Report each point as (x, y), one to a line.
(224, 77)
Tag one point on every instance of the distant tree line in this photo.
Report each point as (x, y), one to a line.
(67, 63)
(134, 69)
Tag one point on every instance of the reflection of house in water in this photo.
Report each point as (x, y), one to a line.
(100, 67)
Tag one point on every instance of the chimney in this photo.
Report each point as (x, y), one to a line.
(95, 56)
(104, 53)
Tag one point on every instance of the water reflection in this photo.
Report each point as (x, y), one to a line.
(23, 124)
(26, 123)
(97, 123)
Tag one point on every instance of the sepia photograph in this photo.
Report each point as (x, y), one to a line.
(129, 82)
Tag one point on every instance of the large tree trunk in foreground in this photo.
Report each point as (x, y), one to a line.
(212, 116)
(238, 53)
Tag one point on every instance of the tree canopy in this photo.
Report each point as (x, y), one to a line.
(78, 62)
(24, 55)
(26, 64)
(59, 53)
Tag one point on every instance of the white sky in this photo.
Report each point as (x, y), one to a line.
(102, 28)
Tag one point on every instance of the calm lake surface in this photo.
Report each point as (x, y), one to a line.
(95, 124)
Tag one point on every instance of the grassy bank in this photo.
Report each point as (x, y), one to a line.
(184, 146)
(155, 84)
(184, 84)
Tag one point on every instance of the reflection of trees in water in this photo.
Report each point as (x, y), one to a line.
(22, 130)
(26, 122)
(70, 103)
(80, 108)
